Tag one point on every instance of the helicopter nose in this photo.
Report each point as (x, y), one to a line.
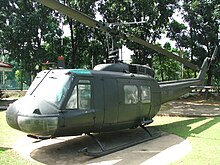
(11, 116)
(33, 116)
(21, 106)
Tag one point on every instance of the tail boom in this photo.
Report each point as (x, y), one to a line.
(171, 90)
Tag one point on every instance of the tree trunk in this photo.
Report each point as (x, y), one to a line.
(161, 70)
(72, 63)
(209, 82)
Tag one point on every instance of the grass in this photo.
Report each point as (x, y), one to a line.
(7, 138)
(203, 134)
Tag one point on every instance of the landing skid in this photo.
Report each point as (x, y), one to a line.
(103, 150)
(39, 137)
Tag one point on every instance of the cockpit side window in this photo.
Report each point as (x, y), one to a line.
(81, 96)
(72, 103)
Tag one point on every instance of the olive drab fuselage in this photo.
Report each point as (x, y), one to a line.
(89, 101)
(66, 102)
(75, 101)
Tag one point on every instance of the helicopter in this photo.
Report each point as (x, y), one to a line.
(111, 97)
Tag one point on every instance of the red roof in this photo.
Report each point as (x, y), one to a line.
(5, 65)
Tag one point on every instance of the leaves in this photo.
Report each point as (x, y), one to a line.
(200, 34)
(25, 25)
(31, 34)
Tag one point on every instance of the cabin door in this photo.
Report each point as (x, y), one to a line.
(129, 108)
(110, 101)
(79, 112)
(145, 99)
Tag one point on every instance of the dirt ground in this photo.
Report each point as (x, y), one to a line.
(192, 106)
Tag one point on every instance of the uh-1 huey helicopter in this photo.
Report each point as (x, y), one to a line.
(114, 96)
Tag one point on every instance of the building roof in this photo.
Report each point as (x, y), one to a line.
(5, 67)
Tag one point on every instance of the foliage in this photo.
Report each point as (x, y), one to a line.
(30, 34)
(82, 37)
(19, 77)
(199, 33)
(166, 68)
(154, 14)
(24, 26)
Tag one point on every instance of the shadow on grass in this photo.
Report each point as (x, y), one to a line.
(183, 128)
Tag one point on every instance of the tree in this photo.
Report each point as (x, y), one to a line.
(155, 15)
(81, 36)
(200, 33)
(24, 26)
(166, 68)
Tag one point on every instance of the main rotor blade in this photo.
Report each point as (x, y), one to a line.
(70, 12)
(163, 51)
(89, 21)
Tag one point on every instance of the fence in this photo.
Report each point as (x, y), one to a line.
(202, 89)
(12, 85)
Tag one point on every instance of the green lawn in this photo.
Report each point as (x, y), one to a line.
(203, 133)
(7, 138)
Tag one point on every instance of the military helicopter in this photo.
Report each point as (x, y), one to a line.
(111, 97)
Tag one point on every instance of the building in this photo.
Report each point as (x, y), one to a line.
(4, 67)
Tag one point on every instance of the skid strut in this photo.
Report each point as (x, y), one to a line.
(97, 141)
(145, 128)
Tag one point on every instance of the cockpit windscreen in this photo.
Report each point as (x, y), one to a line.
(53, 88)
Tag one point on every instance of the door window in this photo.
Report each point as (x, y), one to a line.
(81, 96)
(145, 94)
(131, 94)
